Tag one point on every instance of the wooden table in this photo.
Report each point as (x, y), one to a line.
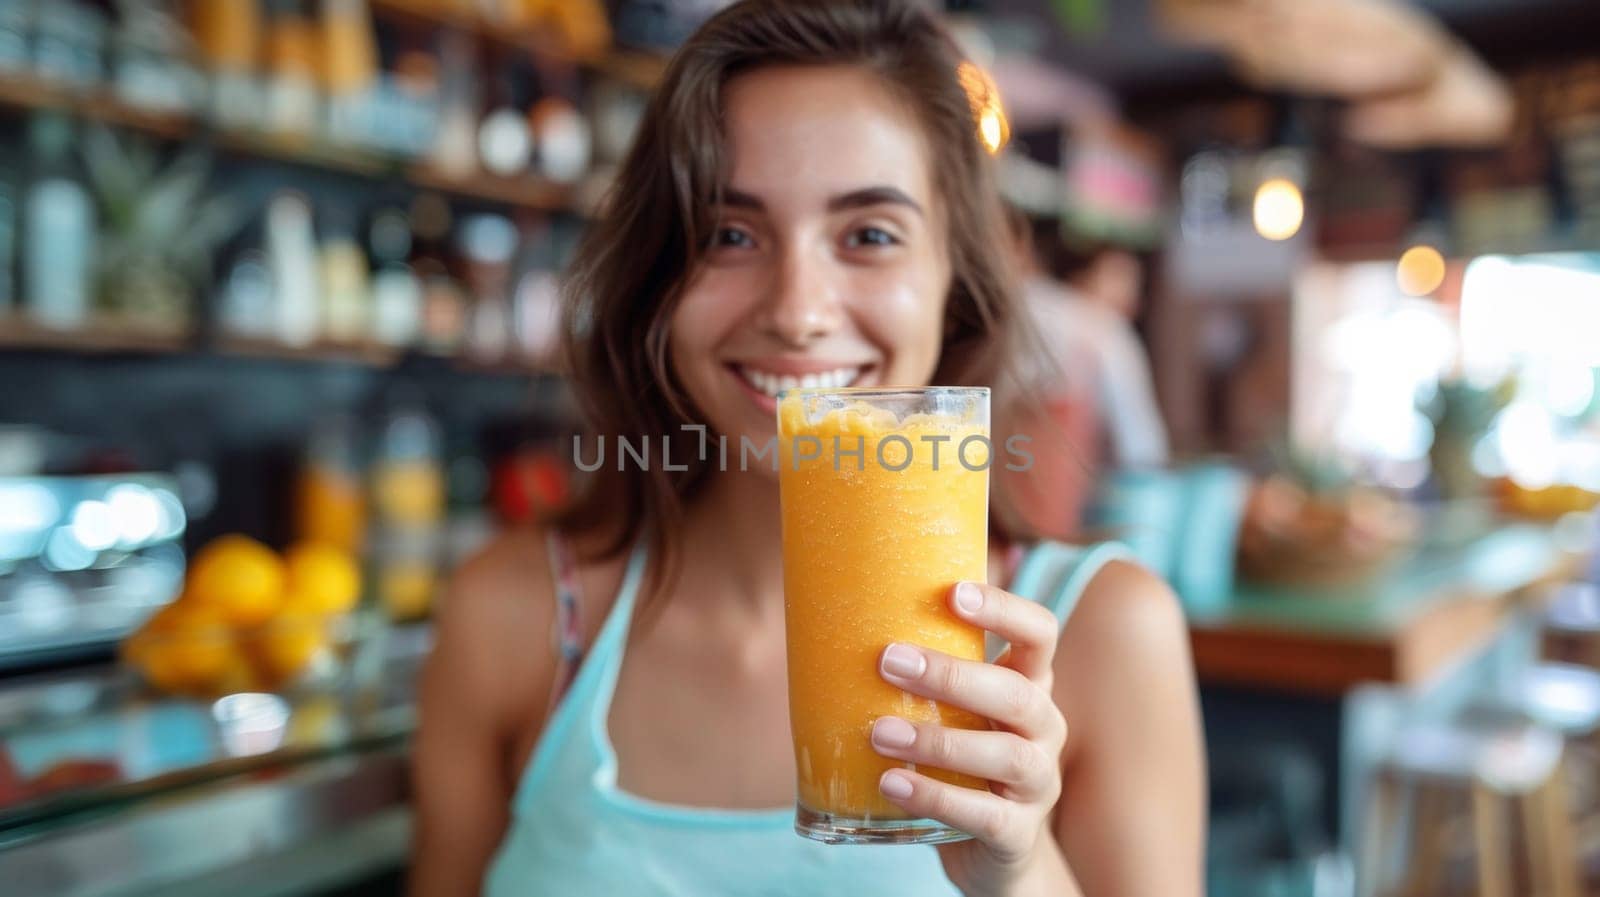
(1402, 629)
(1329, 674)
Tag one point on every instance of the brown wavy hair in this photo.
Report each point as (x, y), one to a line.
(633, 264)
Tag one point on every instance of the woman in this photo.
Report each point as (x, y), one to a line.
(806, 196)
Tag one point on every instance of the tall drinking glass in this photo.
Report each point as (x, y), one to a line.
(885, 496)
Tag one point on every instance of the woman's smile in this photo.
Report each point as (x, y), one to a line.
(762, 380)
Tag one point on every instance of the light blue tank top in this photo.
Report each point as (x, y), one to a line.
(575, 833)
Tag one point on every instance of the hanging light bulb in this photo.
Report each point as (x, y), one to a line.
(1420, 271)
(1279, 209)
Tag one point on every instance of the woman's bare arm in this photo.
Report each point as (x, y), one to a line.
(1131, 819)
(491, 666)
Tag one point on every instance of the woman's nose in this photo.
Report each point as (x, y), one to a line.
(804, 302)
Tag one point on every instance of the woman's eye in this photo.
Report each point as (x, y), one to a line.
(871, 236)
(732, 236)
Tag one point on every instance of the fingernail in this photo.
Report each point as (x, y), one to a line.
(893, 732)
(969, 598)
(894, 785)
(903, 661)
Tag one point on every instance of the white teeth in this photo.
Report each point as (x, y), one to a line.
(772, 384)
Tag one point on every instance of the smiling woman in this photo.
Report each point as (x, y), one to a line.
(809, 203)
(835, 191)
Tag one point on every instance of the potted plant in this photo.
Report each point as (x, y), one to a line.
(160, 230)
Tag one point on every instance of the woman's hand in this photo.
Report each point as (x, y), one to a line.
(1020, 756)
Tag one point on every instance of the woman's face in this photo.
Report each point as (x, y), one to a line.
(828, 265)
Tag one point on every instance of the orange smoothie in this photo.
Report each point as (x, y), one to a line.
(869, 556)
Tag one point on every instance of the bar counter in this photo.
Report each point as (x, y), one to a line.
(109, 791)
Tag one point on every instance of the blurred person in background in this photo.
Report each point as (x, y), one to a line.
(1103, 286)
(1083, 389)
(807, 195)
(1052, 393)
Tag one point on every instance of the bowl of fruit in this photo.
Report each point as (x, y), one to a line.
(249, 619)
(1292, 536)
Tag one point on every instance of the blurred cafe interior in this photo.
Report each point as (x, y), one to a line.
(280, 327)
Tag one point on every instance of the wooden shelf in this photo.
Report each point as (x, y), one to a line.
(101, 106)
(530, 192)
(640, 69)
(363, 354)
(99, 336)
(108, 336)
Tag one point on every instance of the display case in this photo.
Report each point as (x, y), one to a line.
(83, 561)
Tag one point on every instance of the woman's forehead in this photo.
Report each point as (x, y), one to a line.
(807, 134)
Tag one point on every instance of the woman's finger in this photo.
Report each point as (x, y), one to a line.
(1001, 694)
(984, 815)
(1030, 627)
(1023, 769)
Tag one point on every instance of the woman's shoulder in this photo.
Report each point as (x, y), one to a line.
(513, 578)
(496, 621)
(1126, 641)
(507, 581)
(1114, 605)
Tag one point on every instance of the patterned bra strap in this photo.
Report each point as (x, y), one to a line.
(568, 631)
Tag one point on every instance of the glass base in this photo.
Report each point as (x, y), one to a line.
(831, 829)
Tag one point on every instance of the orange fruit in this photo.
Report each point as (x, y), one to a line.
(290, 644)
(239, 577)
(192, 651)
(322, 578)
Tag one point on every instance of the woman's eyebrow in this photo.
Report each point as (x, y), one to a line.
(855, 199)
(742, 200)
(873, 196)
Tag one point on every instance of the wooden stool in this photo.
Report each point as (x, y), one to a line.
(1488, 770)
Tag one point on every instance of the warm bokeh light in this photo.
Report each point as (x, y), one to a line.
(1421, 271)
(993, 128)
(1279, 209)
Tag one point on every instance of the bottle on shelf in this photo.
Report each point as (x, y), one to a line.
(536, 297)
(411, 110)
(69, 43)
(149, 59)
(346, 299)
(455, 146)
(562, 136)
(349, 67)
(396, 292)
(230, 40)
(292, 100)
(247, 306)
(444, 303)
(505, 140)
(488, 243)
(292, 261)
(59, 226)
(16, 37)
(330, 496)
(408, 505)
